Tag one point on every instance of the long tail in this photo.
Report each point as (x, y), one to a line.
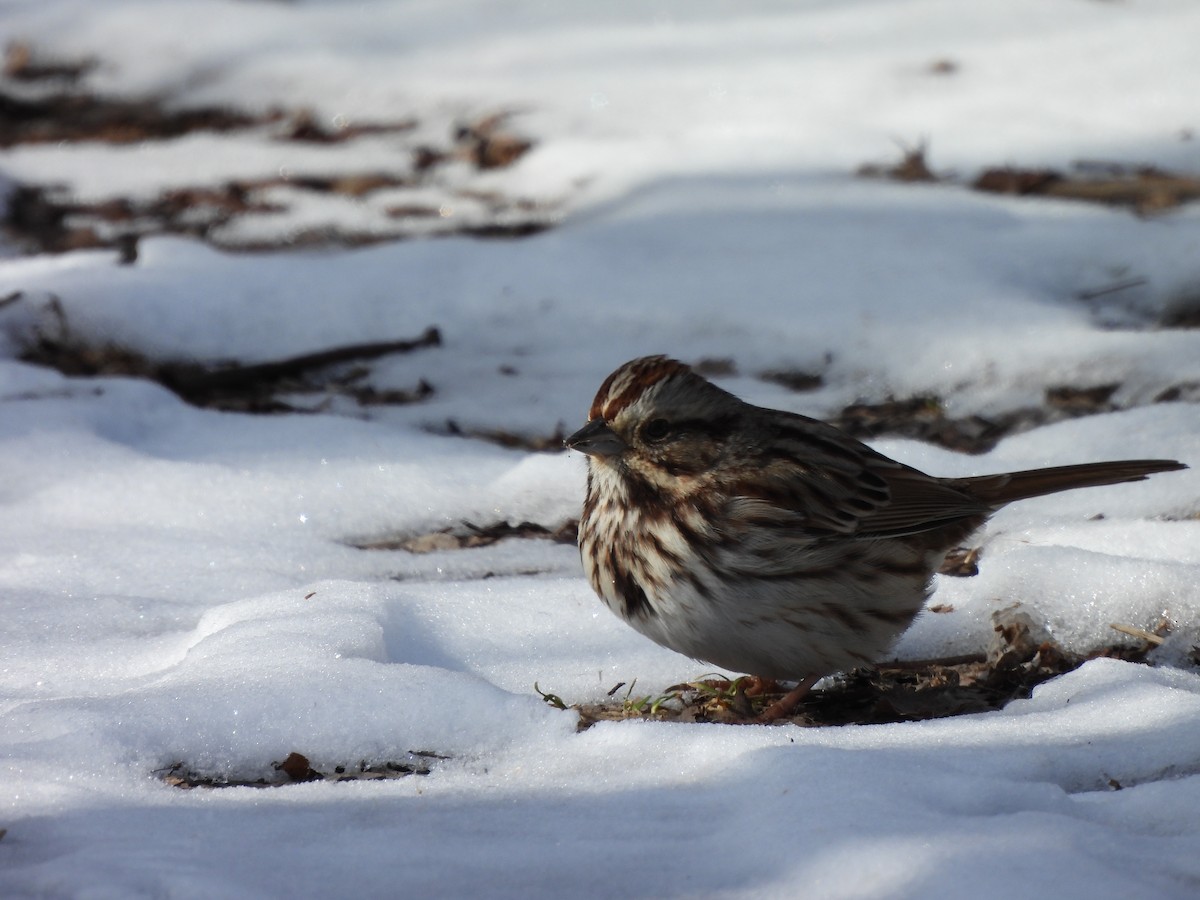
(996, 490)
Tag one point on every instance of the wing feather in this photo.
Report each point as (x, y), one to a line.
(814, 481)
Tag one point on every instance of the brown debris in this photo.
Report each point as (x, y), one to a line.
(1016, 638)
(1184, 311)
(1021, 656)
(296, 769)
(924, 418)
(500, 230)
(1152, 638)
(21, 63)
(483, 143)
(84, 117)
(1145, 189)
(353, 185)
(552, 443)
(47, 219)
(467, 535)
(413, 211)
(1016, 181)
(243, 377)
(245, 388)
(303, 126)
(51, 225)
(1077, 401)
(871, 419)
(1185, 390)
(715, 367)
(794, 379)
(961, 562)
(487, 145)
(1115, 287)
(912, 167)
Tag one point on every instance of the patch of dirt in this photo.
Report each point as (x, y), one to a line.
(1145, 189)
(21, 63)
(961, 562)
(1183, 311)
(943, 66)
(46, 224)
(466, 535)
(296, 769)
(925, 419)
(797, 380)
(537, 443)
(1021, 656)
(1187, 392)
(342, 373)
(715, 366)
(912, 167)
(83, 117)
(304, 127)
(256, 387)
(44, 102)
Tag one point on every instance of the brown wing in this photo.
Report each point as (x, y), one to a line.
(813, 478)
(919, 503)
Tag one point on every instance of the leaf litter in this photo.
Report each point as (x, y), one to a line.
(296, 768)
(47, 102)
(1020, 656)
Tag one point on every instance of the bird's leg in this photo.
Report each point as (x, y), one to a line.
(740, 701)
(788, 702)
(757, 686)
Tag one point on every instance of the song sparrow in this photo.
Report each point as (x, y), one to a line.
(766, 542)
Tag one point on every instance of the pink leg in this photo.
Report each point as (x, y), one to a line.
(788, 702)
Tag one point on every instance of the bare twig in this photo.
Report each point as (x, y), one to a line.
(237, 378)
(1140, 633)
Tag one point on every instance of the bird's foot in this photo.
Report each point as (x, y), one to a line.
(787, 704)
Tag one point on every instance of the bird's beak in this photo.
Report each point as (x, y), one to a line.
(596, 439)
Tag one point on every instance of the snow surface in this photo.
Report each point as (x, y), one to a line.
(181, 585)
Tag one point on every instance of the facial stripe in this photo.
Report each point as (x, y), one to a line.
(625, 385)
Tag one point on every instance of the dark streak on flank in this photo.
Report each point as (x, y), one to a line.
(698, 585)
(830, 571)
(905, 569)
(658, 548)
(691, 537)
(845, 616)
(889, 616)
(631, 593)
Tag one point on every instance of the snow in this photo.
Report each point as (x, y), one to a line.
(182, 585)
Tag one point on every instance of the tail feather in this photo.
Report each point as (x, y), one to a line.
(996, 490)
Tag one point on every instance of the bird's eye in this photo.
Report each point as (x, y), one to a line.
(656, 430)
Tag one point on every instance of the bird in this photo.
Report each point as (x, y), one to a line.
(766, 542)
